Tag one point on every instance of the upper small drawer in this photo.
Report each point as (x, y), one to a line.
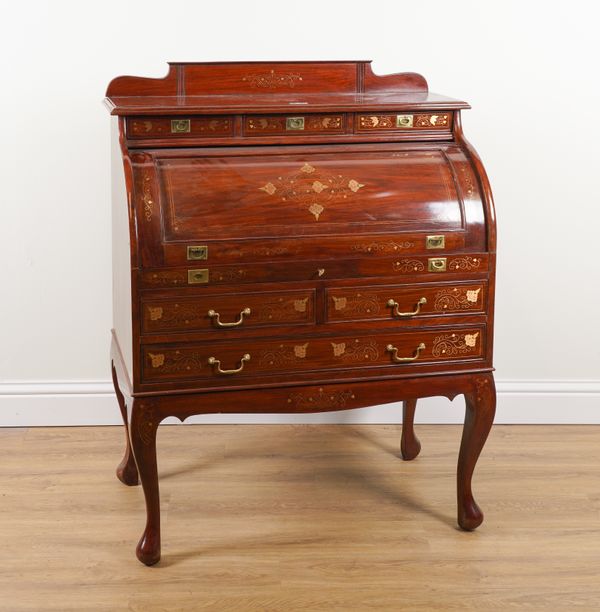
(265, 125)
(369, 122)
(162, 127)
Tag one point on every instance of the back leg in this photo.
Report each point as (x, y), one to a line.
(409, 445)
(127, 471)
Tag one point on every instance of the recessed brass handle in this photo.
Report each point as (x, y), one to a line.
(393, 304)
(392, 349)
(213, 314)
(213, 361)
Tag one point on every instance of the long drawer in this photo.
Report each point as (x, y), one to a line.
(401, 267)
(230, 361)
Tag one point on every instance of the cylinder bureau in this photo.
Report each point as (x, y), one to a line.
(296, 237)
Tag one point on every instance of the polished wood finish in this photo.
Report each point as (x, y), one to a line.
(301, 517)
(349, 263)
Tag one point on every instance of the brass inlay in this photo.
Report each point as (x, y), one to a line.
(436, 264)
(272, 79)
(320, 272)
(156, 359)
(451, 345)
(404, 121)
(217, 318)
(181, 126)
(392, 349)
(213, 361)
(197, 252)
(197, 277)
(393, 304)
(294, 123)
(435, 242)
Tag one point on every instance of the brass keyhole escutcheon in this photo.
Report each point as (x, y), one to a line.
(294, 123)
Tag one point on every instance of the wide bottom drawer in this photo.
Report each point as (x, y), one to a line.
(264, 357)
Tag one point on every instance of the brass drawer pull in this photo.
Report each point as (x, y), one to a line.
(213, 314)
(294, 123)
(393, 304)
(396, 359)
(436, 264)
(404, 121)
(214, 361)
(180, 126)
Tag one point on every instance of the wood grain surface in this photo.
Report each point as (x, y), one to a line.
(270, 518)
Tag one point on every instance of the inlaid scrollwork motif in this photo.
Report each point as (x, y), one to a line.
(321, 399)
(467, 179)
(388, 122)
(230, 275)
(278, 124)
(409, 265)
(357, 350)
(450, 345)
(147, 196)
(273, 80)
(175, 361)
(360, 303)
(147, 422)
(382, 247)
(312, 188)
(165, 278)
(464, 263)
(453, 298)
(433, 121)
(283, 354)
(175, 315)
(281, 309)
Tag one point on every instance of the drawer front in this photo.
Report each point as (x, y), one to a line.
(215, 313)
(403, 122)
(178, 127)
(227, 362)
(403, 302)
(264, 125)
(441, 266)
(376, 245)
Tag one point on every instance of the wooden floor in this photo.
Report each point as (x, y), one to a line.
(266, 518)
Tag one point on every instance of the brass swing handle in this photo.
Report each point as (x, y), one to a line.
(393, 304)
(396, 359)
(213, 314)
(214, 361)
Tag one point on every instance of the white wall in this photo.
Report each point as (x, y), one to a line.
(529, 69)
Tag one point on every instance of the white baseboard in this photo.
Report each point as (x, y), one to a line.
(30, 404)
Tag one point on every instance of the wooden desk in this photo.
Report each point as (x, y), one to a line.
(296, 237)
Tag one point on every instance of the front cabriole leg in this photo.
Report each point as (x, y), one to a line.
(144, 424)
(479, 416)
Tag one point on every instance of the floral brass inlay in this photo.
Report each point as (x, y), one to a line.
(230, 275)
(279, 123)
(409, 265)
(320, 400)
(359, 350)
(283, 354)
(388, 122)
(176, 361)
(156, 312)
(279, 309)
(450, 345)
(382, 247)
(467, 178)
(456, 299)
(165, 278)
(147, 423)
(147, 197)
(360, 303)
(273, 80)
(464, 263)
(312, 188)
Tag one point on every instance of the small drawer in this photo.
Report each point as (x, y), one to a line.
(294, 125)
(227, 362)
(219, 313)
(404, 302)
(403, 121)
(169, 127)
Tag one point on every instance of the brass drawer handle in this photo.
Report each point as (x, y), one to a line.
(213, 314)
(436, 264)
(393, 304)
(214, 361)
(396, 359)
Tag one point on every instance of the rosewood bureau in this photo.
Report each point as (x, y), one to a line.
(296, 237)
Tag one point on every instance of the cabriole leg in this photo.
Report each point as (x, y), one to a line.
(144, 424)
(409, 443)
(479, 416)
(126, 470)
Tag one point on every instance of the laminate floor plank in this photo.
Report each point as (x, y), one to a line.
(301, 517)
